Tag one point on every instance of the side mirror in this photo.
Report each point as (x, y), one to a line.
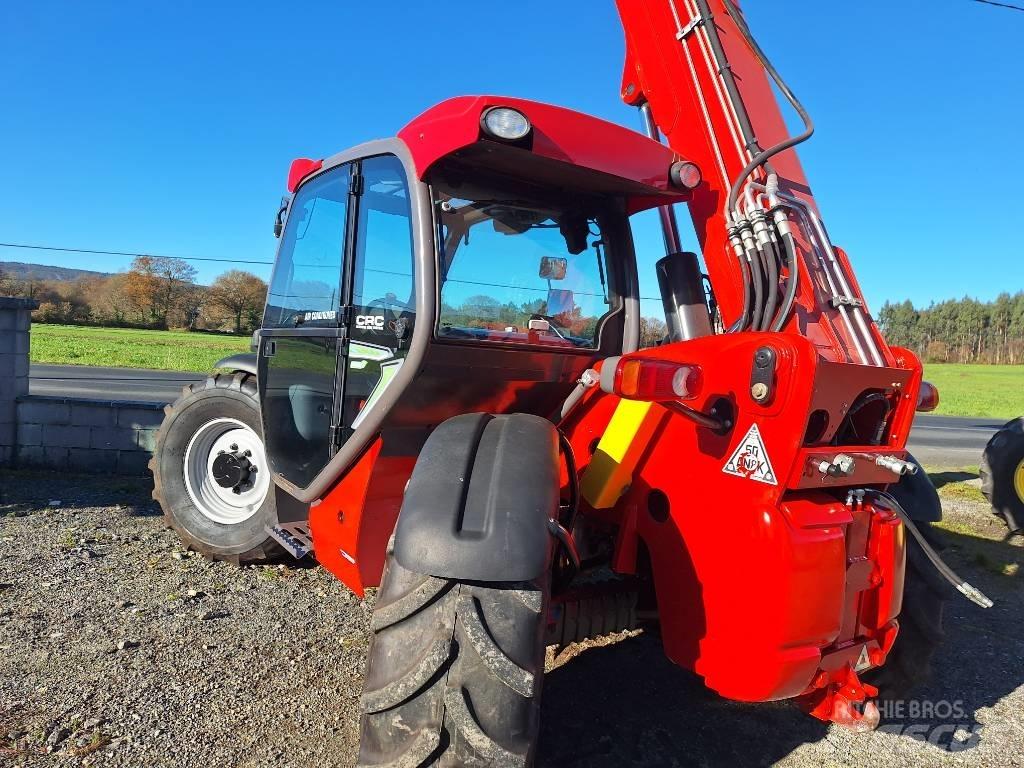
(553, 268)
(560, 302)
(282, 211)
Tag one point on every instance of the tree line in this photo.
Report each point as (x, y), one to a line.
(156, 292)
(959, 330)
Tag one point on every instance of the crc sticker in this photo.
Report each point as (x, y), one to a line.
(370, 322)
(750, 459)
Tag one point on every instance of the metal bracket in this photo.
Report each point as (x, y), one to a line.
(684, 33)
(846, 301)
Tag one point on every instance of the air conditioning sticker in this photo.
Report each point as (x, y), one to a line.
(750, 459)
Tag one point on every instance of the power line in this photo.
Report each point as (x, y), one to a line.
(1001, 5)
(126, 253)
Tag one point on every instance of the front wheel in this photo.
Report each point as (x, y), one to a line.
(210, 471)
(455, 672)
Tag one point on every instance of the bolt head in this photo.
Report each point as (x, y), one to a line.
(759, 391)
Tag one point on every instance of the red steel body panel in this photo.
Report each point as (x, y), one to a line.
(351, 525)
(761, 587)
(558, 134)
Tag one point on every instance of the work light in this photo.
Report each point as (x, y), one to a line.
(505, 123)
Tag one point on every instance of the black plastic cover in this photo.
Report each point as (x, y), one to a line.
(243, 361)
(479, 500)
(918, 497)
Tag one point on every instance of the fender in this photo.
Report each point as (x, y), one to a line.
(918, 496)
(243, 361)
(478, 502)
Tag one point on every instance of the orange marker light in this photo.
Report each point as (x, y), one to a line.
(928, 397)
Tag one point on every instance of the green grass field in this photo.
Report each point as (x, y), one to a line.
(130, 348)
(996, 391)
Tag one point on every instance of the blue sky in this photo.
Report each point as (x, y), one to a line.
(168, 128)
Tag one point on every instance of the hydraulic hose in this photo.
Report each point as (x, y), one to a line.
(763, 156)
(757, 281)
(972, 593)
(744, 319)
(771, 263)
(791, 283)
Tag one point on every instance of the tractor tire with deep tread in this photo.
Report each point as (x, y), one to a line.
(1002, 474)
(925, 594)
(454, 673)
(231, 396)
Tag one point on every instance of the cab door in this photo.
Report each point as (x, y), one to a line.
(340, 312)
(300, 370)
(380, 294)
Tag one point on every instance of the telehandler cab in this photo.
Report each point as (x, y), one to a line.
(448, 399)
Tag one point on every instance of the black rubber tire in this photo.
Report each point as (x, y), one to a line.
(925, 594)
(232, 395)
(1002, 457)
(455, 672)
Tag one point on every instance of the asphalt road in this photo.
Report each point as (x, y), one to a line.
(107, 383)
(943, 441)
(950, 441)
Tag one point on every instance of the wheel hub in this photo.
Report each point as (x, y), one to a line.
(226, 472)
(232, 470)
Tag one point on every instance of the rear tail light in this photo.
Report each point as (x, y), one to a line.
(656, 380)
(928, 397)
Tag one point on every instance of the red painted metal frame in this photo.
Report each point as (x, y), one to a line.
(657, 72)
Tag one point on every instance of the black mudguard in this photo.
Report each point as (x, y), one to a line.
(479, 500)
(916, 494)
(243, 361)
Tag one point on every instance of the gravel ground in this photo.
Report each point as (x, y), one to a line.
(118, 648)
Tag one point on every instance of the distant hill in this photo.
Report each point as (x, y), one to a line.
(22, 271)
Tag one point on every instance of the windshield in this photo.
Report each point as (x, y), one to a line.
(515, 268)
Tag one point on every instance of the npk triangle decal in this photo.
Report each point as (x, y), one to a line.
(750, 459)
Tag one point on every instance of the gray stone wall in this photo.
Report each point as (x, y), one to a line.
(15, 319)
(74, 434)
(109, 437)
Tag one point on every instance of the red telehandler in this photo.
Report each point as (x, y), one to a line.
(448, 399)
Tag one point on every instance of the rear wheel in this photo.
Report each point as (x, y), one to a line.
(1002, 474)
(920, 635)
(210, 471)
(454, 673)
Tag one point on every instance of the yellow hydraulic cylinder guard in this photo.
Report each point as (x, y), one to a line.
(610, 471)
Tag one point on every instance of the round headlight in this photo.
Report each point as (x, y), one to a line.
(505, 123)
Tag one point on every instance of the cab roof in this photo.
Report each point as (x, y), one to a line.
(564, 146)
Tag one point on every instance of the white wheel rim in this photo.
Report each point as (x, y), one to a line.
(225, 505)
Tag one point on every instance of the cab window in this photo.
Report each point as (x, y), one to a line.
(304, 289)
(517, 268)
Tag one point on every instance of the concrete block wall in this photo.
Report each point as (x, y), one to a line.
(15, 320)
(81, 435)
